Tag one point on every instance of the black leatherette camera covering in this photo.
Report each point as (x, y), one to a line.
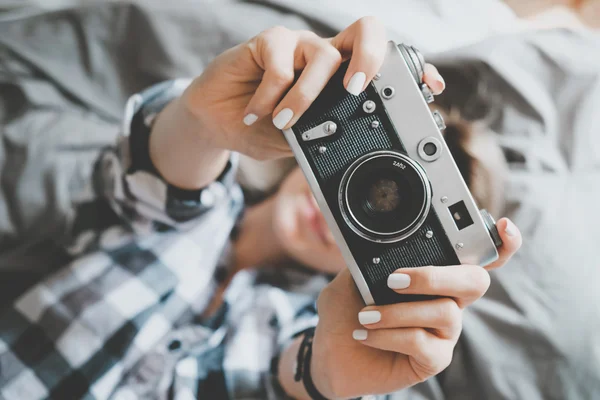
(355, 137)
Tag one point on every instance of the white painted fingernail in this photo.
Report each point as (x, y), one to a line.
(440, 80)
(283, 118)
(511, 229)
(369, 317)
(360, 334)
(355, 86)
(398, 281)
(250, 119)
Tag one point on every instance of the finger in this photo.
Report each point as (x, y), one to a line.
(365, 40)
(431, 353)
(464, 283)
(433, 79)
(511, 242)
(322, 62)
(442, 315)
(273, 50)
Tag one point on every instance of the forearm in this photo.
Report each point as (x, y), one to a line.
(182, 152)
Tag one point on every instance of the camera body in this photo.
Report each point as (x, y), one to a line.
(386, 182)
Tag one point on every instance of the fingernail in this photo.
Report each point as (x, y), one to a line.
(441, 83)
(250, 119)
(356, 83)
(369, 317)
(511, 229)
(283, 118)
(360, 334)
(398, 281)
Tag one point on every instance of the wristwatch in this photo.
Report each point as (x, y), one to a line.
(140, 113)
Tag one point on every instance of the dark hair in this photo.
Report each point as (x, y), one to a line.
(467, 104)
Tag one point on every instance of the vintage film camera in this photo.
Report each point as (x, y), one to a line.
(385, 180)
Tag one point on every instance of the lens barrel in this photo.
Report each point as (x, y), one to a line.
(385, 196)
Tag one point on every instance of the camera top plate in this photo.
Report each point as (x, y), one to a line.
(413, 120)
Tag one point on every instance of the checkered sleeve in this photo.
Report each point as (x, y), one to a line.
(81, 331)
(132, 184)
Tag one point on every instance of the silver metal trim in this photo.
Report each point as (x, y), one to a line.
(439, 120)
(427, 93)
(369, 106)
(388, 96)
(325, 129)
(379, 237)
(414, 60)
(425, 156)
(359, 279)
(413, 120)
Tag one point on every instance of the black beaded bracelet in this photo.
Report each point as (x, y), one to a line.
(303, 366)
(299, 373)
(309, 385)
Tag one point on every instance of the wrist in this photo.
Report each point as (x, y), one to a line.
(292, 370)
(181, 149)
(318, 371)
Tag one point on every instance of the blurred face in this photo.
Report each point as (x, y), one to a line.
(299, 224)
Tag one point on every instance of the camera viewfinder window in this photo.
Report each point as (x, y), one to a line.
(460, 215)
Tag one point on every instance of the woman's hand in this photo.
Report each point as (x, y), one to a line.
(360, 350)
(249, 93)
(253, 83)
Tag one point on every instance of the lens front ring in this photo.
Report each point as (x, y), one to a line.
(420, 191)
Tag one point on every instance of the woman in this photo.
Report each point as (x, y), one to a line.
(162, 348)
(239, 104)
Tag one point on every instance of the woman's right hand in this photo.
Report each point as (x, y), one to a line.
(249, 93)
(391, 347)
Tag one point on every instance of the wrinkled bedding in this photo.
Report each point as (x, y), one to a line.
(65, 75)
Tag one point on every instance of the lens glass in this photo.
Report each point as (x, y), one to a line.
(386, 195)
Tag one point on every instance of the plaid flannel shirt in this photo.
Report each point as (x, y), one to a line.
(124, 319)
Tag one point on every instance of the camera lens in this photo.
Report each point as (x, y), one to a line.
(385, 196)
